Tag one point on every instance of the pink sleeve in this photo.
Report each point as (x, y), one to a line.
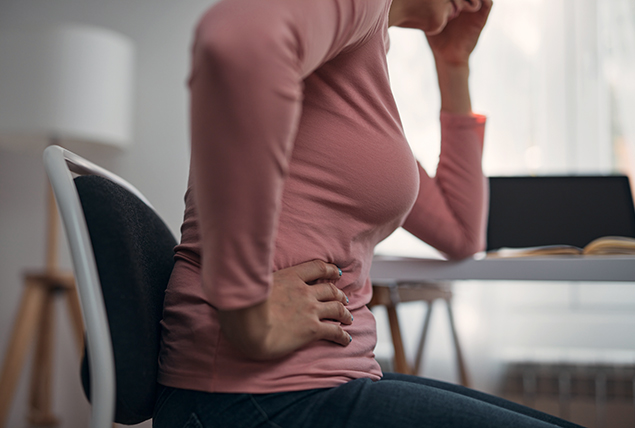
(249, 60)
(451, 209)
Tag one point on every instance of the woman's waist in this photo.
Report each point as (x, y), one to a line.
(355, 266)
(196, 355)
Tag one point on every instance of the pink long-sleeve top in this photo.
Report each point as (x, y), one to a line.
(298, 154)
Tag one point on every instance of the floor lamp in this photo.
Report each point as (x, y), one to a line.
(69, 85)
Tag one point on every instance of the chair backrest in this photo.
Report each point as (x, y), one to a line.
(572, 210)
(123, 257)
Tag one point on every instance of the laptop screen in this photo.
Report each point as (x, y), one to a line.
(572, 210)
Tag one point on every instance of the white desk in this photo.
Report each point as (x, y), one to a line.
(387, 272)
(560, 268)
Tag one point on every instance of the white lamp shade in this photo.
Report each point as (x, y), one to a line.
(69, 83)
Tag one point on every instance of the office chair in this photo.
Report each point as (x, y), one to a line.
(122, 255)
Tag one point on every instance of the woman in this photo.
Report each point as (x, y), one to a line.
(299, 168)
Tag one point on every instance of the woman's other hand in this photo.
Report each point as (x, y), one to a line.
(452, 48)
(455, 43)
(295, 314)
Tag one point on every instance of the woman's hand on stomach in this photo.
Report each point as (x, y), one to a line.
(299, 310)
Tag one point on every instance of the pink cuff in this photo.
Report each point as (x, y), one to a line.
(454, 120)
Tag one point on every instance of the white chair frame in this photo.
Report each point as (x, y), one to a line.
(60, 164)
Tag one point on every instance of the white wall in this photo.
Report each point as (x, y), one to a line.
(157, 161)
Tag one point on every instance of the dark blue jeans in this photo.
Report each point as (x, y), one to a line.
(394, 401)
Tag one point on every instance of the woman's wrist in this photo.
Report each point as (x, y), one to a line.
(454, 86)
(248, 329)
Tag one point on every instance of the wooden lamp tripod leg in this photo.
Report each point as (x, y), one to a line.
(40, 412)
(35, 322)
(28, 319)
(36, 314)
(40, 405)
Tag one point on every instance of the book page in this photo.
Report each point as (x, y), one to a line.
(547, 250)
(611, 245)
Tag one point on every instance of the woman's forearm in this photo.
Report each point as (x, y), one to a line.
(452, 48)
(454, 87)
(248, 329)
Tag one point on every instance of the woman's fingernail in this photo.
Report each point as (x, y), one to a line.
(340, 271)
(352, 318)
(346, 299)
(350, 338)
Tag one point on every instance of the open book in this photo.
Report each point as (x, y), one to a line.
(607, 245)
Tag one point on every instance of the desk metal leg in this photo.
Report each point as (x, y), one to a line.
(401, 365)
(422, 340)
(465, 381)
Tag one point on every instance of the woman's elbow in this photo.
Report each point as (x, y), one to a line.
(465, 248)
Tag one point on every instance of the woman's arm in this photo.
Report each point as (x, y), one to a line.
(249, 60)
(451, 210)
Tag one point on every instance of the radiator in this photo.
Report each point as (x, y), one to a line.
(595, 395)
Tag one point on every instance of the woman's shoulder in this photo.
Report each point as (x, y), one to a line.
(345, 22)
(302, 33)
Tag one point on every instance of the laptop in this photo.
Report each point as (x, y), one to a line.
(553, 210)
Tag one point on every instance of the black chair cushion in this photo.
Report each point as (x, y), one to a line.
(134, 254)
